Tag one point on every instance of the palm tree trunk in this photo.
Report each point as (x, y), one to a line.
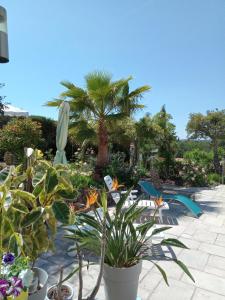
(216, 161)
(103, 157)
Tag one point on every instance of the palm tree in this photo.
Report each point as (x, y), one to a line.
(101, 102)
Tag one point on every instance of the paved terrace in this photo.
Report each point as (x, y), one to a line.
(206, 258)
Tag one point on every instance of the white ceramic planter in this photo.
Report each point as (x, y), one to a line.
(70, 297)
(42, 276)
(121, 283)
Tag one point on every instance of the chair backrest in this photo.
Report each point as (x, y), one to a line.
(109, 182)
(4, 173)
(148, 188)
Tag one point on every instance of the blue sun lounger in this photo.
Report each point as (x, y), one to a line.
(150, 190)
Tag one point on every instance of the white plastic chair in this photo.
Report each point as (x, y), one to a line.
(116, 195)
(150, 204)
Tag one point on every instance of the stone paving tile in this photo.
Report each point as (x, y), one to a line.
(212, 249)
(172, 269)
(171, 252)
(190, 243)
(148, 284)
(146, 267)
(216, 262)
(220, 243)
(204, 236)
(221, 237)
(217, 229)
(206, 281)
(194, 258)
(48, 266)
(215, 271)
(176, 291)
(205, 295)
(213, 220)
(190, 229)
(177, 230)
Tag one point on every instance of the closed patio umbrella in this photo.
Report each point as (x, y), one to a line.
(62, 133)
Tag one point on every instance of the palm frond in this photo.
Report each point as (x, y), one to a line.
(54, 103)
(67, 84)
(139, 91)
(97, 80)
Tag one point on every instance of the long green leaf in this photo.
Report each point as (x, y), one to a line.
(20, 207)
(174, 243)
(184, 268)
(61, 211)
(51, 180)
(162, 272)
(23, 195)
(31, 217)
(158, 230)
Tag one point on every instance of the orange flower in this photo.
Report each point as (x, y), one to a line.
(115, 185)
(91, 198)
(159, 201)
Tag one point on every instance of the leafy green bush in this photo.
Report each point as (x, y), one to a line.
(82, 167)
(48, 129)
(214, 178)
(117, 166)
(20, 133)
(190, 145)
(193, 175)
(120, 169)
(82, 181)
(165, 170)
(201, 158)
(4, 120)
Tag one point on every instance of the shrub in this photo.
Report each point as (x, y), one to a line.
(4, 120)
(201, 158)
(20, 133)
(119, 168)
(82, 181)
(165, 170)
(193, 175)
(48, 129)
(214, 178)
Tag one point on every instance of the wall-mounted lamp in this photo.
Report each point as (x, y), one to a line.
(4, 52)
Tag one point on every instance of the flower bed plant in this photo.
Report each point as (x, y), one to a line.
(193, 175)
(15, 276)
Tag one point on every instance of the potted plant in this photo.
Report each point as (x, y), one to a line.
(30, 217)
(126, 247)
(77, 233)
(61, 290)
(15, 277)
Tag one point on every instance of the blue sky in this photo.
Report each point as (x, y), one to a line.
(176, 46)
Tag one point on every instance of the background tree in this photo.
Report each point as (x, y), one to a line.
(2, 102)
(190, 145)
(147, 132)
(166, 140)
(48, 130)
(121, 134)
(18, 134)
(102, 101)
(210, 126)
